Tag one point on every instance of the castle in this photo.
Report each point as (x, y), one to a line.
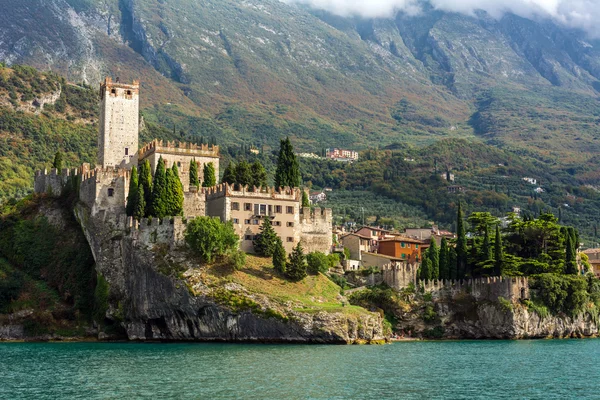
(104, 189)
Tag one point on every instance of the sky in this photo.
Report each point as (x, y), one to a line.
(582, 14)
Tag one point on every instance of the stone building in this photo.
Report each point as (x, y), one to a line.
(105, 189)
(119, 124)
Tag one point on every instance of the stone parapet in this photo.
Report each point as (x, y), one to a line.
(226, 190)
(178, 148)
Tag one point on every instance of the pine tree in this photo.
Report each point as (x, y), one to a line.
(158, 206)
(145, 181)
(139, 210)
(133, 192)
(279, 257)
(174, 195)
(243, 174)
(296, 268)
(433, 256)
(58, 160)
(259, 175)
(194, 181)
(461, 245)
(305, 199)
(288, 170)
(266, 240)
(210, 178)
(486, 247)
(444, 259)
(229, 174)
(498, 256)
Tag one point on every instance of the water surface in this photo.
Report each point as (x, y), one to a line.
(557, 369)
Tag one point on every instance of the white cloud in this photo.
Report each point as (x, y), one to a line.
(583, 14)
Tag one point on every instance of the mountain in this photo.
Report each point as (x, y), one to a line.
(253, 71)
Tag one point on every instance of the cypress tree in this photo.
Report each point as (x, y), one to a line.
(486, 247)
(570, 260)
(461, 245)
(279, 257)
(158, 206)
(243, 174)
(425, 270)
(452, 263)
(444, 267)
(296, 268)
(498, 256)
(194, 181)
(174, 203)
(265, 241)
(133, 192)
(210, 178)
(229, 174)
(259, 175)
(288, 170)
(305, 199)
(145, 181)
(58, 160)
(433, 256)
(139, 210)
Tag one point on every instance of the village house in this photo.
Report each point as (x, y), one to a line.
(341, 155)
(594, 260)
(357, 244)
(316, 197)
(403, 248)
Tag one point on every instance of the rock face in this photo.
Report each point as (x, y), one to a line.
(464, 317)
(149, 305)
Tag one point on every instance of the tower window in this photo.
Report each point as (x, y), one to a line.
(126, 151)
(111, 192)
(129, 93)
(113, 91)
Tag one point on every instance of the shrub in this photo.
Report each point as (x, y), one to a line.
(210, 238)
(317, 262)
(237, 260)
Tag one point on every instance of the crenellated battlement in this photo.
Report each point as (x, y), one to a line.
(178, 148)
(489, 288)
(309, 215)
(224, 189)
(150, 231)
(105, 173)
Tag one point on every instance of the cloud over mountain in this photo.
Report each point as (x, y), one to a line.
(581, 14)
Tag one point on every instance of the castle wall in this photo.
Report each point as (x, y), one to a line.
(399, 276)
(119, 124)
(316, 231)
(105, 191)
(194, 204)
(149, 232)
(52, 182)
(486, 289)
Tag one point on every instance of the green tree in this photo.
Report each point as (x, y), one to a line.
(145, 181)
(210, 238)
(210, 178)
(570, 260)
(288, 170)
(498, 253)
(174, 199)
(259, 175)
(132, 197)
(444, 260)
(305, 199)
(58, 161)
(317, 262)
(452, 263)
(461, 245)
(266, 241)
(139, 210)
(486, 247)
(279, 257)
(229, 174)
(296, 267)
(243, 173)
(194, 181)
(158, 206)
(425, 270)
(433, 256)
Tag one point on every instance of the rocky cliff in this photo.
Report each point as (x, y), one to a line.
(157, 293)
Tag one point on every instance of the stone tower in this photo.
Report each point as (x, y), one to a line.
(119, 124)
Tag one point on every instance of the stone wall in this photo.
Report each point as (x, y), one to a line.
(148, 232)
(399, 276)
(105, 190)
(488, 289)
(315, 231)
(194, 203)
(52, 182)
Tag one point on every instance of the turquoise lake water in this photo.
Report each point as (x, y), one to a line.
(560, 369)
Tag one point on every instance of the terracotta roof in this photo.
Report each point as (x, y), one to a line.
(356, 234)
(405, 240)
(591, 251)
